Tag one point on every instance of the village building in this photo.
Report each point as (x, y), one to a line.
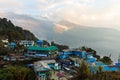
(11, 45)
(41, 68)
(39, 43)
(5, 41)
(38, 51)
(27, 43)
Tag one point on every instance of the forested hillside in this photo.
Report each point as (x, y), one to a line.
(12, 32)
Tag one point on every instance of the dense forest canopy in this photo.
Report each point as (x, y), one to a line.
(12, 32)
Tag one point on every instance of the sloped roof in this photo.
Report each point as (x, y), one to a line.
(39, 65)
(50, 48)
(12, 44)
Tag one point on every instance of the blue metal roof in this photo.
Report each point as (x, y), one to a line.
(12, 44)
(104, 67)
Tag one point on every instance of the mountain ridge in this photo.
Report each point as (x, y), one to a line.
(12, 32)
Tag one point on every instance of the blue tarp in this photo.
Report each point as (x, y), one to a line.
(29, 65)
(91, 60)
(83, 54)
(12, 44)
(39, 42)
(63, 56)
(104, 67)
(89, 56)
(118, 64)
(68, 53)
(76, 53)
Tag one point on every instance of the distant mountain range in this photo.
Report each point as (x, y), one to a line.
(12, 32)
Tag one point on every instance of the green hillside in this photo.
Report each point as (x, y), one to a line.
(12, 32)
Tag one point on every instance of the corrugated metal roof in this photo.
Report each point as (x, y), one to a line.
(40, 65)
(50, 48)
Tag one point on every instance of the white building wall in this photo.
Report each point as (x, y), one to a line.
(27, 43)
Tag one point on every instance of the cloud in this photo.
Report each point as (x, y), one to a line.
(2, 14)
(89, 15)
(60, 28)
(10, 5)
(95, 13)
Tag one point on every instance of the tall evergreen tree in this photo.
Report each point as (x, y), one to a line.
(83, 71)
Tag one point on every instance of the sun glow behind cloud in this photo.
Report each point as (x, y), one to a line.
(60, 28)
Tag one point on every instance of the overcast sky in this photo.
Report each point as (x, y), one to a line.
(94, 13)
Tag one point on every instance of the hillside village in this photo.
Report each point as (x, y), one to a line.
(47, 59)
(52, 61)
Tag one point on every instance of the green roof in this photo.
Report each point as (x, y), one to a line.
(50, 48)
